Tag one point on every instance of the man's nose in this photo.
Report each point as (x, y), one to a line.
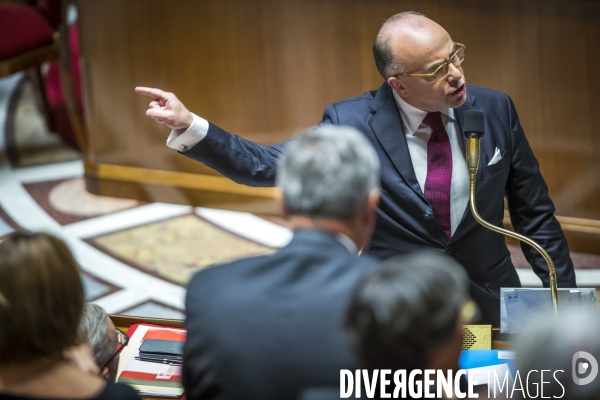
(454, 73)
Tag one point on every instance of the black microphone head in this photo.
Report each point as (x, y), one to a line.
(474, 123)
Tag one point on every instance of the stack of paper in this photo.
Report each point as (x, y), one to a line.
(150, 378)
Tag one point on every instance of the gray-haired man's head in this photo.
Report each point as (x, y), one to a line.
(98, 330)
(328, 172)
(331, 173)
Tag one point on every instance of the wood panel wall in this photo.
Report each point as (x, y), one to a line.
(265, 69)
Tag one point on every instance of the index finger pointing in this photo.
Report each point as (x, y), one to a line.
(152, 92)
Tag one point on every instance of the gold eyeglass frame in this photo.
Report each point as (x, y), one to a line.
(459, 47)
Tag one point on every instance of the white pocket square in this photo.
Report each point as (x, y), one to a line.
(497, 157)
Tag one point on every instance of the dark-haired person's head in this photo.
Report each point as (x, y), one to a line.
(409, 314)
(41, 298)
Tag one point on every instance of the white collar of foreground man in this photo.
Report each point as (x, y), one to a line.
(347, 242)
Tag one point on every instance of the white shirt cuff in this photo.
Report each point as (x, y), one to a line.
(185, 139)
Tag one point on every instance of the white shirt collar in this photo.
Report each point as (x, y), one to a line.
(347, 242)
(412, 116)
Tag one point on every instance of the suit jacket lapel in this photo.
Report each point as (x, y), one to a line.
(388, 130)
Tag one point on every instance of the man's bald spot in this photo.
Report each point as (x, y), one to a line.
(403, 21)
(400, 40)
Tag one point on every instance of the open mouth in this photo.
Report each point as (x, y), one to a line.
(459, 92)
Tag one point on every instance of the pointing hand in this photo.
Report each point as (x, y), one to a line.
(166, 108)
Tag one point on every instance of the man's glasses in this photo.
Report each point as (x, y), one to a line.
(122, 341)
(441, 72)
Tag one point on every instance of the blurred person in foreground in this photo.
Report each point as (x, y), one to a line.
(41, 303)
(554, 344)
(266, 327)
(410, 314)
(106, 340)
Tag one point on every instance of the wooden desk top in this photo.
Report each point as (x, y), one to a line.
(501, 341)
(125, 321)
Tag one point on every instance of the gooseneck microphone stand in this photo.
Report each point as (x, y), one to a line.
(473, 130)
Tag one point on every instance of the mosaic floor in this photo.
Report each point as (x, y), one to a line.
(136, 257)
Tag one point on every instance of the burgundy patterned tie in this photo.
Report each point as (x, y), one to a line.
(439, 171)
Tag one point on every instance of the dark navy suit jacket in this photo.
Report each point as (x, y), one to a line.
(405, 223)
(269, 327)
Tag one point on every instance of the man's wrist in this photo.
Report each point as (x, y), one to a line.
(185, 139)
(189, 120)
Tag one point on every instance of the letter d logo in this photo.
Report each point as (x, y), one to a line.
(582, 367)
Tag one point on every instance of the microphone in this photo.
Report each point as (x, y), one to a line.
(473, 130)
(474, 124)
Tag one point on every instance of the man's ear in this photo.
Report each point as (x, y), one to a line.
(398, 86)
(366, 221)
(373, 201)
(370, 210)
(105, 373)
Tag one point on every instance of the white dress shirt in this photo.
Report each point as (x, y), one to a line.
(417, 135)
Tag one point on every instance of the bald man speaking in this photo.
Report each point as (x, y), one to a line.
(414, 121)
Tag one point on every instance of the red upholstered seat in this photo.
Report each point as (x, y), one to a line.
(22, 29)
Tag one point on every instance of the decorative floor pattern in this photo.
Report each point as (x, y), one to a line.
(135, 257)
(96, 288)
(67, 201)
(5, 228)
(154, 309)
(178, 247)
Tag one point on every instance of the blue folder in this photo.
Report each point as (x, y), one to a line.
(485, 358)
